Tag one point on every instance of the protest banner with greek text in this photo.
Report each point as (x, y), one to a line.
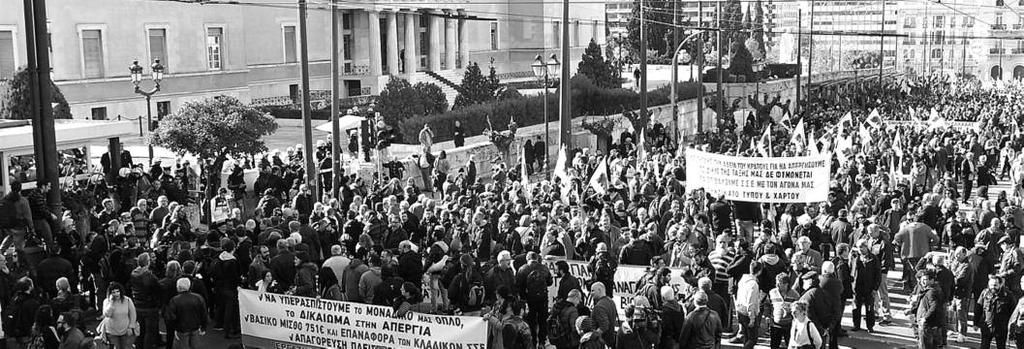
(798, 179)
(283, 321)
(627, 279)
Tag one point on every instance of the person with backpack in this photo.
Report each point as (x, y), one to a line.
(590, 338)
(561, 321)
(466, 291)
(515, 332)
(533, 280)
(602, 266)
(642, 328)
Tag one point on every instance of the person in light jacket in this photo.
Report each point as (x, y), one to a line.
(119, 326)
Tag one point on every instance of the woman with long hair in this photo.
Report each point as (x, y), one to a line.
(119, 326)
(44, 334)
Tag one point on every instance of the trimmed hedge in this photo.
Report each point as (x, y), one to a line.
(288, 112)
(587, 99)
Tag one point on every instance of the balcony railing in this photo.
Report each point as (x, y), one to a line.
(909, 42)
(356, 70)
(999, 27)
(357, 97)
(996, 51)
(1017, 51)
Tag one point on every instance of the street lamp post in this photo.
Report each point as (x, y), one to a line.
(542, 70)
(675, 79)
(158, 75)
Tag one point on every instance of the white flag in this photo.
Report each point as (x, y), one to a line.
(524, 178)
(599, 181)
(897, 146)
(845, 124)
(865, 135)
(799, 137)
(813, 145)
(764, 146)
(875, 119)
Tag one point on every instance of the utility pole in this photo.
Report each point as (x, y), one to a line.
(335, 108)
(927, 40)
(799, 62)
(312, 172)
(810, 56)
(564, 92)
(700, 68)
(643, 61)
(721, 104)
(44, 137)
(881, 46)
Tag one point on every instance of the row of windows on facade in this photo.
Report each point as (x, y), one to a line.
(92, 50)
(100, 113)
(93, 62)
(940, 21)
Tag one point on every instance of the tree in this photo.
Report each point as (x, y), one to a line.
(215, 129)
(732, 22)
(400, 100)
(16, 101)
(431, 99)
(595, 67)
(476, 88)
(759, 27)
(658, 16)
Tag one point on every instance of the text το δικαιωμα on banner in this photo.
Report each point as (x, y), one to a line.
(282, 321)
(798, 179)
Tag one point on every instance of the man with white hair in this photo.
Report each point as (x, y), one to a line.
(338, 261)
(186, 315)
(672, 317)
(833, 287)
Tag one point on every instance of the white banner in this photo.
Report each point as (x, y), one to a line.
(799, 179)
(626, 278)
(280, 321)
(960, 126)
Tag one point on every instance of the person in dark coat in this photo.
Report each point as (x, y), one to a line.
(867, 276)
(186, 315)
(703, 327)
(283, 265)
(145, 291)
(992, 312)
(52, 268)
(820, 304)
(931, 312)
(227, 276)
(458, 134)
(410, 263)
(567, 282)
(20, 314)
(672, 318)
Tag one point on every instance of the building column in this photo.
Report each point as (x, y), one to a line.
(412, 49)
(392, 43)
(463, 39)
(434, 30)
(451, 43)
(375, 59)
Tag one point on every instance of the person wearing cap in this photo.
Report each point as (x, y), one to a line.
(186, 315)
(930, 312)
(1011, 264)
(602, 267)
(820, 304)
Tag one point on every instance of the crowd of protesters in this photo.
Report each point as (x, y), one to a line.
(141, 272)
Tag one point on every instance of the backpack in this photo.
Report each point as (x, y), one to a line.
(647, 319)
(558, 330)
(536, 285)
(516, 334)
(8, 214)
(476, 295)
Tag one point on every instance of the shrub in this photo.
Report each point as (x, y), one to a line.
(588, 99)
(289, 112)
